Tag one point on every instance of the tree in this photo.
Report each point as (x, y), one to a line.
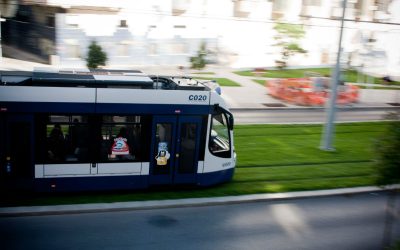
(96, 56)
(388, 166)
(287, 38)
(388, 152)
(199, 61)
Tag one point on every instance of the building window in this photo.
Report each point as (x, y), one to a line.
(72, 21)
(152, 49)
(242, 8)
(123, 24)
(279, 8)
(179, 7)
(123, 49)
(383, 5)
(281, 5)
(312, 3)
(72, 51)
(50, 21)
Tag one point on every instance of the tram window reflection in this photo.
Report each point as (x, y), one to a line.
(120, 138)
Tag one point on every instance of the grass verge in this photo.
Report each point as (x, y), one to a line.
(261, 82)
(203, 73)
(221, 81)
(349, 75)
(271, 158)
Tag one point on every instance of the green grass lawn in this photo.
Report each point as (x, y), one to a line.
(221, 81)
(261, 82)
(271, 158)
(203, 73)
(349, 75)
(270, 145)
(286, 73)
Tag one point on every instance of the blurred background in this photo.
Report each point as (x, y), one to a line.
(230, 33)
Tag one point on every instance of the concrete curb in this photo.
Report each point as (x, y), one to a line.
(192, 202)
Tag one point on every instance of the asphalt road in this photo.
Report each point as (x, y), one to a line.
(339, 222)
(266, 116)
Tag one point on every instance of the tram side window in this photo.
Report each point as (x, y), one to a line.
(219, 136)
(121, 138)
(67, 139)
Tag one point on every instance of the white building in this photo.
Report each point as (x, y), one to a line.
(238, 33)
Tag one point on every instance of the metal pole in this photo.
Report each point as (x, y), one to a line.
(329, 128)
(1, 48)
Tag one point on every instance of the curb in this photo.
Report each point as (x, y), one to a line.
(179, 203)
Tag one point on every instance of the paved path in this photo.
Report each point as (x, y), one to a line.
(308, 115)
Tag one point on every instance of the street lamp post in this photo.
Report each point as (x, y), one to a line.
(326, 143)
(1, 49)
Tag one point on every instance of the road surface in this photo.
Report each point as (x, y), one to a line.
(338, 222)
(266, 116)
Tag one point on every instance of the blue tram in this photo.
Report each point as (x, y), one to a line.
(108, 129)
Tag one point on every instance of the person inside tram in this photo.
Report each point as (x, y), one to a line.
(79, 138)
(56, 144)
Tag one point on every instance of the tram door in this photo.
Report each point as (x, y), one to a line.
(16, 152)
(175, 149)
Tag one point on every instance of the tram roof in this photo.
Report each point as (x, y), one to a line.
(99, 78)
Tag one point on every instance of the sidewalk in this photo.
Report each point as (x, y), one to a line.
(10, 64)
(193, 202)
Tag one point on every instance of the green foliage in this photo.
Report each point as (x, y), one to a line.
(388, 152)
(349, 75)
(287, 38)
(396, 246)
(288, 73)
(203, 73)
(295, 48)
(96, 56)
(290, 30)
(199, 61)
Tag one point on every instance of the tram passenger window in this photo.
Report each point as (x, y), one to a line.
(120, 138)
(67, 139)
(78, 141)
(56, 143)
(219, 137)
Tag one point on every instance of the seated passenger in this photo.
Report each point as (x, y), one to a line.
(56, 144)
